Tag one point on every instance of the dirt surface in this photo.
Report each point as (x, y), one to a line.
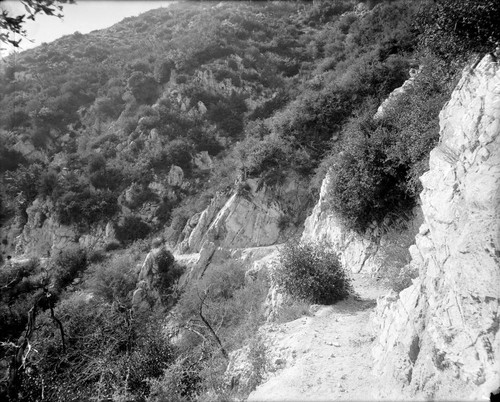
(326, 356)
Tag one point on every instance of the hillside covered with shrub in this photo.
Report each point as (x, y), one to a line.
(139, 126)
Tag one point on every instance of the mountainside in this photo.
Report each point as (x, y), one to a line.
(178, 189)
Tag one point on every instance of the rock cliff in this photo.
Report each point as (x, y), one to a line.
(43, 236)
(440, 337)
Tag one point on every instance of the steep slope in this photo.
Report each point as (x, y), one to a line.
(441, 336)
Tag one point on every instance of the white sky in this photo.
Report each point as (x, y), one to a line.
(84, 16)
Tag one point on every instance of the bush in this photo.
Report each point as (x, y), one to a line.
(132, 228)
(108, 352)
(67, 265)
(85, 207)
(19, 286)
(106, 179)
(455, 27)
(374, 171)
(113, 281)
(169, 273)
(311, 273)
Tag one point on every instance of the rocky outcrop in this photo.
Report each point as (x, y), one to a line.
(396, 95)
(252, 217)
(202, 160)
(357, 252)
(440, 337)
(146, 294)
(44, 236)
(175, 176)
(192, 236)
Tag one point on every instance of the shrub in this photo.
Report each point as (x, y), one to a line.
(257, 354)
(374, 171)
(67, 265)
(454, 27)
(106, 179)
(19, 286)
(169, 273)
(132, 228)
(85, 207)
(311, 273)
(111, 246)
(114, 280)
(106, 349)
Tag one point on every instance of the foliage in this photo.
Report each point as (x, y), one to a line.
(19, 287)
(169, 272)
(105, 351)
(143, 87)
(312, 273)
(233, 303)
(113, 281)
(68, 265)
(85, 207)
(454, 27)
(374, 173)
(10, 159)
(257, 354)
(132, 228)
(13, 25)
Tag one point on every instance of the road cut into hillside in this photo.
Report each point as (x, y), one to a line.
(326, 356)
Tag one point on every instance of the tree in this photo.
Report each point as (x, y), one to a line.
(12, 25)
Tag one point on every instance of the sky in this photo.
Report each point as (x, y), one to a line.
(84, 16)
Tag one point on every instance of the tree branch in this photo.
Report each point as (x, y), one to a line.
(207, 324)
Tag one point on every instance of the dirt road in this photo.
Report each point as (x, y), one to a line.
(326, 356)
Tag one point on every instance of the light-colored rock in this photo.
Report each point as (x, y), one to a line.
(246, 222)
(146, 294)
(197, 225)
(42, 235)
(440, 338)
(175, 176)
(396, 95)
(203, 161)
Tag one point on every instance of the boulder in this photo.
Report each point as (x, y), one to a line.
(175, 176)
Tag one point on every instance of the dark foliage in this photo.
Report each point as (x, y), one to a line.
(312, 273)
(132, 228)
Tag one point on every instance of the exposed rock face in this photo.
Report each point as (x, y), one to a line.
(146, 295)
(43, 236)
(440, 338)
(357, 253)
(198, 225)
(249, 218)
(396, 95)
(246, 220)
